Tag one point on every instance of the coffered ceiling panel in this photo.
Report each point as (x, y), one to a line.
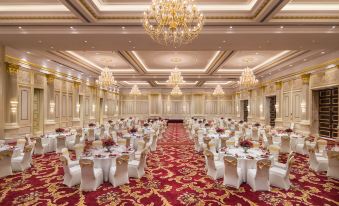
(167, 60)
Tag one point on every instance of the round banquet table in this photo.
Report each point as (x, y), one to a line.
(105, 160)
(245, 160)
(51, 140)
(16, 150)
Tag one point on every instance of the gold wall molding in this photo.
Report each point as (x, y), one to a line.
(12, 69)
(278, 85)
(306, 78)
(50, 78)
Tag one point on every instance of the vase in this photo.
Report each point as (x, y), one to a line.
(108, 149)
(245, 149)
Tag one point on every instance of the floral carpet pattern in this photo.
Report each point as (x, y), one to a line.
(175, 176)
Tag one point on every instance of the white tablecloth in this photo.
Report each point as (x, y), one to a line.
(51, 140)
(16, 150)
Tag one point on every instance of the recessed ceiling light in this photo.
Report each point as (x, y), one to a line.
(28, 52)
(19, 27)
(224, 41)
(305, 60)
(281, 27)
(322, 52)
(231, 27)
(123, 28)
(134, 47)
(129, 41)
(85, 41)
(291, 65)
(256, 53)
(71, 27)
(48, 60)
(333, 27)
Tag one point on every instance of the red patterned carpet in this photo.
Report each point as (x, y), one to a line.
(175, 176)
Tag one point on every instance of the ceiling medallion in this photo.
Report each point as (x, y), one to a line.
(173, 22)
(176, 91)
(106, 79)
(135, 90)
(218, 91)
(175, 78)
(247, 78)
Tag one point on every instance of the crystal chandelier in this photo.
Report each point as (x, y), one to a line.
(176, 91)
(218, 91)
(247, 78)
(175, 78)
(173, 22)
(106, 79)
(135, 90)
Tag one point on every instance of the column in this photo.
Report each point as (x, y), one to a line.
(3, 88)
(304, 103)
(76, 103)
(237, 105)
(93, 106)
(262, 107)
(250, 107)
(278, 105)
(11, 96)
(50, 99)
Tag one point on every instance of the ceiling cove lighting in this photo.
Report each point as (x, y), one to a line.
(173, 22)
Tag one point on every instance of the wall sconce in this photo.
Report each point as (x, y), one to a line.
(116, 108)
(261, 109)
(248, 108)
(276, 107)
(237, 108)
(51, 107)
(14, 106)
(77, 107)
(303, 107)
(93, 108)
(106, 108)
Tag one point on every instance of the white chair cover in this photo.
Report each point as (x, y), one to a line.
(21, 144)
(5, 163)
(72, 175)
(215, 169)
(258, 178)
(285, 144)
(279, 177)
(333, 164)
(136, 168)
(61, 143)
(118, 174)
(232, 173)
(23, 162)
(79, 149)
(91, 178)
(317, 163)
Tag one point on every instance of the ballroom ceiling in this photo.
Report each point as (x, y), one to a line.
(80, 37)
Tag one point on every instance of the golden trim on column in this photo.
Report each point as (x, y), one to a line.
(50, 78)
(76, 85)
(306, 78)
(12, 69)
(278, 85)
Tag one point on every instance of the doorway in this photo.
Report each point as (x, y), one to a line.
(244, 110)
(101, 111)
(272, 111)
(81, 110)
(328, 113)
(37, 112)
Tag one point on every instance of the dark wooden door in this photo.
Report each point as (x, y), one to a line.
(328, 113)
(273, 113)
(245, 110)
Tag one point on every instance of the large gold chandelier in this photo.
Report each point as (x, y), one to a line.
(135, 90)
(106, 79)
(247, 78)
(218, 91)
(176, 91)
(173, 22)
(175, 78)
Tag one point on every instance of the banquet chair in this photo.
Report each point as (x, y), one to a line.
(118, 174)
(140, 147)
(72, 175)
(22, 162)
(269, 140)
(91, 135)
(285, 146)
(268, 128)
(102, 132)
(321, 145)
(154, 143)
(91, 178)
(276, 139)
(254, 132)
(256, 144)
(215, 169)
(230, 143)
(301, 145)
(72, 143)
(97, 144)
(197, 144)
(40, 147)
(274, 150)
(280, 177)
(136, 168)
(79, 150)
(317, 163)
(2, 142)
(5, 163)
(333, 164)
(121, 142)
(232, 173)
(61, 143)
(282, 165)
(79, 131)
(223, 142)
(28, 138)
(128, 142)
(21, 144)
(258, 178)
(71, 163)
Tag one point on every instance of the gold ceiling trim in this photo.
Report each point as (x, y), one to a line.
(89, 8)
(306, 17)
(37, 17)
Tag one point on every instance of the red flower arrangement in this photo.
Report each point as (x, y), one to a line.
(220, 130)
(146, 125)
(133, 130)
(257, 124)
(246, 143)
(108, 142)
(91, 125)
(60, 130)
(110, 121)
(289, 130)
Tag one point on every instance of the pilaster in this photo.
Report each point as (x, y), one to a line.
(278, 105)
(11, 96)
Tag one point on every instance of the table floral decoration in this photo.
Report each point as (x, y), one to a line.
(108, 144)
(91, 125)
(220, 130)
(246, 144)
(59, 130)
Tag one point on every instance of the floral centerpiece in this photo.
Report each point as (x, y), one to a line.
(146, 125)
(246, 144)
(59, 130)
(220, 130)
(110, 121)
(257, 124)
(91, 125)
(207, 125)
(240, 122)
(289, 130)
(108, 143)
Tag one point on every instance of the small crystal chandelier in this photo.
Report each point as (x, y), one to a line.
(106, 79)
(218, 91)
(247, 78)
(135, 90)
(176, 91)
(175, 78)
(173, 22)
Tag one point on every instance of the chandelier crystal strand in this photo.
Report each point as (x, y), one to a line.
(218, 91)
(247, 78)
(176, 91)
(173, 22)
(106, 79)
(175, 78)
(135, 90)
